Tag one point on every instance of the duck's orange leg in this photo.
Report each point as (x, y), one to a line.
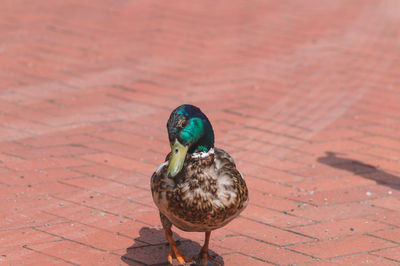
(173, 249)
(204, 256)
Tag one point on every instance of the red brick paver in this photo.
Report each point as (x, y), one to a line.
(304, 95)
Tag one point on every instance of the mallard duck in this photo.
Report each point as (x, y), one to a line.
(197, 188)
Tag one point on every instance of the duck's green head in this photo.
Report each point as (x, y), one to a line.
(189, 131)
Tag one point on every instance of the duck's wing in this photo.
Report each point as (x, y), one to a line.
(230, 179)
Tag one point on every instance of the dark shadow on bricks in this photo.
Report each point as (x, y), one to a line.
(361, 169)
(151, 248)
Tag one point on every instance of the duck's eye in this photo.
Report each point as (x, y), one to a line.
(182, 123)
(176, 151)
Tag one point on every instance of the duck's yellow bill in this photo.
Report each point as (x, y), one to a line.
(177, 159)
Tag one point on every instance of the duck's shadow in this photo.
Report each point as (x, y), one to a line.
(361, 169)
(152, 248)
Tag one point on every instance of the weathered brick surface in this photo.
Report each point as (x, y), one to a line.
(305, 96)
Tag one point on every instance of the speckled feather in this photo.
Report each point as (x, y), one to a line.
(207, 194)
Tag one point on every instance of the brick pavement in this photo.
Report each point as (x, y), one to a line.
(304, 95)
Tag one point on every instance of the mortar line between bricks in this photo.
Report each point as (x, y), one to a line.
(292, 171)
(290, 125)
(99, 123)
(360, 138)
(382, 207)
(229, 253)
(103, 178)
(131, 144)
(50, 168)
(274, 226)
(107, 179)
(47, 52)
(287, 229)
(292, 112)
(381, 238)
(277, 182)
(378, 124)
(144, 81)
(276, 245)
(133, 260)
(54, 257)
(342, 219)
(377, 157)
(105, 125)
(31, 121)
(73, 125)
(96, 163)
(352, 138)
(239, 81)
(347, 236)
(271, 158)
(121, 109)
(264, 242)
(93, 226)
(287, 185)
(312, 239)
(379, 146)
(39, 194)
(51, 156)
(35, 76)
(168, 77)
(379, 256)
(306, 262)
(364, 110)
(352, 127)
(274, 182)
(362, 201)
(43, 54)
(124, 143)
(282, 145)
(102, 193)
(13, 155)
(166, 243)
(105, 211)
(117, 97)
(294, 183)
(358, 253)
(277, 133)
(45, 182)
(391, 227)
(284, 211)
(31, 227)
(255, 258)
(364, 103)
(126, 87)
(293, 159)
(339, 220)
(36, 243)
(74, 241)
(295, 251)
(289, 214)
(158, 107)
(57, 145)
(368, 217)
(24, 106)
(276, 196)
(247, 255)
(232, 112)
